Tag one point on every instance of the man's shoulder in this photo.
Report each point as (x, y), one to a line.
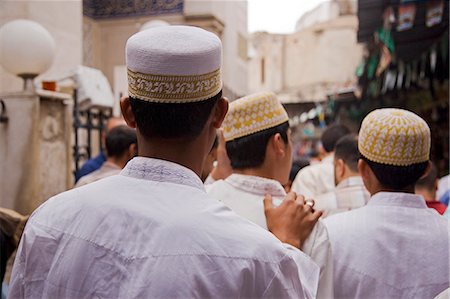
(183, 214)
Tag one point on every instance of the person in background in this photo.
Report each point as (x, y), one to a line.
(395, 246)
(260, 151)
(443, 192)
(427, 186)
(121, 147)
(153, 231)
(95, 163)
(350, 192)
(317, 179)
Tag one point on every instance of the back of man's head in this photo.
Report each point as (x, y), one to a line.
(250, 123)
(395, 143)
(347, 150)
(429, 182)
(331, 135)
(119, 140)
(174, 75)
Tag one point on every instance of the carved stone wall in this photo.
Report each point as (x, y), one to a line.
(35, 149)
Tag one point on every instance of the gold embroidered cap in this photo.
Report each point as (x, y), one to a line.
(394, 137)
(174, 64)
(253, 113)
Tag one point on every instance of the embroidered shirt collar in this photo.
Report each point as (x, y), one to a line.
(161, 171)
(350, 182)
(398, 199)
(256, 185)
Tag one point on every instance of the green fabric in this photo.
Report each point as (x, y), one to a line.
(385, 37)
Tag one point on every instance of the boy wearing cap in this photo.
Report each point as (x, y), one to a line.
(152, 231)
(258, 143)
(394, 247)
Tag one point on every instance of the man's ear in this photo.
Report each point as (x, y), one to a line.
(340, 167)
(127, 112)
(369, 178)
(278, 144)
(133, 150)
(220, 110)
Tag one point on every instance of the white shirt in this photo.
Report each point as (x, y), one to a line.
(394, 247)
(348, 194)
(315, 179)
(152, 232)
(244, 194)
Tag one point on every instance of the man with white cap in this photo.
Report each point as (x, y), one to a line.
(258, 143)
(394, 247)
(152, 231)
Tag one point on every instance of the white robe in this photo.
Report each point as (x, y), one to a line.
(394, 247)
(348, 194)
(244, 194)
(315, 179)
(152, 232)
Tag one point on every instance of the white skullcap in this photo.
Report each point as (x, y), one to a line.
(394, 137)
(174, 64)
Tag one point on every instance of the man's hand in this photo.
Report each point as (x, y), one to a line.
(223, 168)
(293, 220)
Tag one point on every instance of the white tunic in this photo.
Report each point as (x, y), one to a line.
(152, 232)
(394, 247)
(315, 179)
(244, 194)
(348, 194)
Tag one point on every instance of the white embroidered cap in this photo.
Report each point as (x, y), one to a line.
(252, 114)
(174, 64)
(394, 137)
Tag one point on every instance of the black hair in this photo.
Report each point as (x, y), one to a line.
(331, 135)
(250, 151)
(346, 149)
(170, 121)
(428, 182)
(119, 139)
(397, 177)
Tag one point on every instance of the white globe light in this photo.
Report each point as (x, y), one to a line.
(26, 48)
(153, 24)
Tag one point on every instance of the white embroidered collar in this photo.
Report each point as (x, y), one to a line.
(256, 185)
(398, 199)
(161, 171)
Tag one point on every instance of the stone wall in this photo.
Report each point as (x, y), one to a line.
(35, 149)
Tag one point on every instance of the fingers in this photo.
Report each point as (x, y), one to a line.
(300, 199)
(317, 214)
(268, 204)
(310, 202)
(291, 196)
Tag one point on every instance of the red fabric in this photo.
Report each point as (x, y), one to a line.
(438, 206)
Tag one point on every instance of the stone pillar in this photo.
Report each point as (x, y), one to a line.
(35, 149)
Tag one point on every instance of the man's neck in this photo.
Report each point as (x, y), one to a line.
(116, 161)
(409, 189)
(259, 172)
(188, 154)
(428, 196)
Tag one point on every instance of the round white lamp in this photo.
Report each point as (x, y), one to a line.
(27, 50)
(153, 24)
